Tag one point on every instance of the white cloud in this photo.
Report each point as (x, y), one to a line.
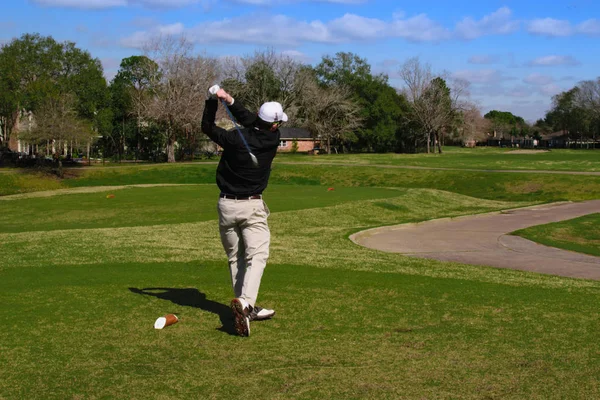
(351, 25)
(140, 38)
(483, 59)
(490, 90)
(550, 27)
(275, 2)
(389, 63)
(173, 29)
(86, 4)
(281, 30)
(482, 76)
(144, 22)
(590, 27)
(288, 31)
(102, 4)
(297, 55)
(284, 30)
(101, 40)
(550, 90)
(554, 60)
(165, 3)
(137, 40)
(538, 79)
(418, 29)
(568, 78)
(519, 91)
(499, 22)
(561, 28)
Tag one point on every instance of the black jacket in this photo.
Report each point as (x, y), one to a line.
(235, 174)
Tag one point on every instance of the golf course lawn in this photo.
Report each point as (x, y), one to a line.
(86, 270)
(580, 234)
(488, 158)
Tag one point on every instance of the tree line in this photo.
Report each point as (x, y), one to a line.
(575, 113)
(151, 109)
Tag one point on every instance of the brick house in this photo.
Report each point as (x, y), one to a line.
(25, 122)
(306, 143)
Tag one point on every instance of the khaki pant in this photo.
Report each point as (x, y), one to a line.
(245, 236)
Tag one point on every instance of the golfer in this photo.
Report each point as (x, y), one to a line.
(242, 211)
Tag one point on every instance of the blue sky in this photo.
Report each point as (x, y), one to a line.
(515, 54)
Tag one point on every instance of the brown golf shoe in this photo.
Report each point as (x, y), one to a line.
(241, 316)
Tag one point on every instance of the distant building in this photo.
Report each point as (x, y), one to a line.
(555, 139)
(24, 123)
(306, 143)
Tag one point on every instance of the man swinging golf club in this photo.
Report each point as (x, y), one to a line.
(242, 176)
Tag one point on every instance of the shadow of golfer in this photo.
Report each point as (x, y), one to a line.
(192, 297)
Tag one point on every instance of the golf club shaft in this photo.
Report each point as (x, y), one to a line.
(236, 126)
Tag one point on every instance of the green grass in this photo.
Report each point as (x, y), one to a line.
(464, 158)
(351, 323)
(498, 186)
(501, 186)
(89, 335)
(580, 234)
(83, 277)
(141, 206)
(13, 181)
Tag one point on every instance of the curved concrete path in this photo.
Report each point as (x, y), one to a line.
(484, 240)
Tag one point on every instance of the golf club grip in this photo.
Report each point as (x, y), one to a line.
(236, 126)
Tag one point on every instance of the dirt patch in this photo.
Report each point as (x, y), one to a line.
(526, 151)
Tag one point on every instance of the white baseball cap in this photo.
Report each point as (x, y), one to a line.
(272, 112)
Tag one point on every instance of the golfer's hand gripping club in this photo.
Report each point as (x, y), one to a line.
(213, 93)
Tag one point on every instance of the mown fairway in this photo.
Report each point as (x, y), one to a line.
(83, 277)
(489, 158)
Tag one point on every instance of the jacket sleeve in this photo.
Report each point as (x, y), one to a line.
(218, 135)
(242, 115)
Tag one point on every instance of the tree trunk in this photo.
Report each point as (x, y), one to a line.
(171, 149)
(439, 142)
(428, 142)
(328, 145)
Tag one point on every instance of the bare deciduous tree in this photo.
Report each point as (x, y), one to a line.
(264, 76)
(473, 127)
(434, 104)
(329, 114)
(180, 90)
(58, 127)
(588, 96)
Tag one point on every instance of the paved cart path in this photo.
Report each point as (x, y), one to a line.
(484, 240)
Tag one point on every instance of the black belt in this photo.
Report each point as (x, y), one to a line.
(232, 197)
